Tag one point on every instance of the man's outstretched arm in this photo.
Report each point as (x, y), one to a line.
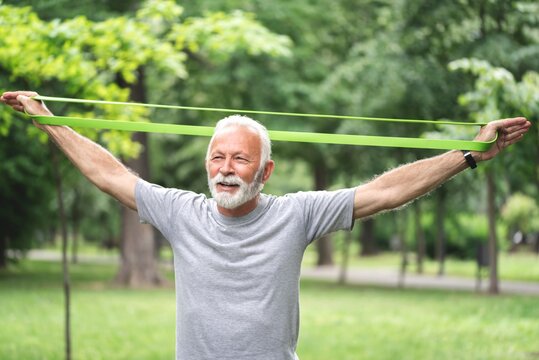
(408, 182)
(94, 162)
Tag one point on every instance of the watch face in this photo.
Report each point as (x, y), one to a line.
(469, 159)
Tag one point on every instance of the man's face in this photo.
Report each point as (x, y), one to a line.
(233, 165)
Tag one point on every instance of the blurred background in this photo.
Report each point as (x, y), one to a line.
(465, 60)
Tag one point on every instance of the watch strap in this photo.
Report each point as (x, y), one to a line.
(469, 159)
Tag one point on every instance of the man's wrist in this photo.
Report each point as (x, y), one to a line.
(477, 155)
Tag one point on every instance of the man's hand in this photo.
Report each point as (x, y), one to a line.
(21, 100)
(94, 162)
(509, 132)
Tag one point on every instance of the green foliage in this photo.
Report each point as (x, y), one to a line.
(77, 53)
(521, 212)
(87, 58)
(64, 9)
(25, 189)
(497, 94)
(100, 59)
(489, 96)
(219, 35)
(462, 234)
(467, 232)
(379, 58)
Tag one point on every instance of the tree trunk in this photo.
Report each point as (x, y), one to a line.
(345, 257)
(536, 160)
(324, 247)
(367, 239)
(3, 252)
(75, 216)
(65, 264)
(482, 18)
(400, 220)
(138, 267)
(440, 232)
(492, 237)
(75, 243)
(420, 237)
(324, 244)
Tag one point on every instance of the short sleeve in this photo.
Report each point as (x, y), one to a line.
(325, 212)
(158, 206)
(152, 202)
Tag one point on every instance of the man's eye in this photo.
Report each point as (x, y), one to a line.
(218, 157)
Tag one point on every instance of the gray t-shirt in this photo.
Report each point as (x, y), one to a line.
(237, 278)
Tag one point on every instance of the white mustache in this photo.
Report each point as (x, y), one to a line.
(227, 180)
(245, 192)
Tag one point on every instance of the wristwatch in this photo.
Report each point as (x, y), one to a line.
(469, 159)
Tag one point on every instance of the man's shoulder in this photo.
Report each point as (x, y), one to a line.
(156, 191)
(291, 199)
(310, 194)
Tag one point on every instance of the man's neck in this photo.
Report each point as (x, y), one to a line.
(241, 210)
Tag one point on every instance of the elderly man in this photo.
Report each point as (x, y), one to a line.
(237, 255)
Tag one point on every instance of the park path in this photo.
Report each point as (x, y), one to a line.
(385, 277)
(388, 277)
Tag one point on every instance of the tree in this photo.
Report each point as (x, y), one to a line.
(322, 40)
(215, 36)
(26, 191)
(497, 94)
(72, 55)
(521, 213)
(104, 60)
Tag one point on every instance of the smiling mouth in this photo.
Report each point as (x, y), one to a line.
(228, 185)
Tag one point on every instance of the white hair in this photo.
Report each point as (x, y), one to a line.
(245, 121)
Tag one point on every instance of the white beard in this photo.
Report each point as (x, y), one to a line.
(244, 193)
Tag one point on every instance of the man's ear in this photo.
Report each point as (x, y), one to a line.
(268, 170)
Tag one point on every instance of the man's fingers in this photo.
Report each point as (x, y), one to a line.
(14, 94)
(15, 98)
(5, 98)
(517, 134)
(514, 129)
(502, 125)
(513, 140)
(23, 99)
(509, 129)
(10, 97)
(513, 121)
(26, 103)
(10, 102)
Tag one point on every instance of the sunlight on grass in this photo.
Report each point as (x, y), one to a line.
(336, 322)
(369, 323)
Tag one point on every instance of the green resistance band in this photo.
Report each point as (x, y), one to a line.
(306, 137)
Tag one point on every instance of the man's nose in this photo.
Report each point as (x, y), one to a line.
(227, 167)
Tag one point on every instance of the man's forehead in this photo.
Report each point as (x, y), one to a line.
(241, 129)
(236, 137)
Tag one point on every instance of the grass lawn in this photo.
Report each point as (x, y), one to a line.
(521, 266)
(336, 322)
